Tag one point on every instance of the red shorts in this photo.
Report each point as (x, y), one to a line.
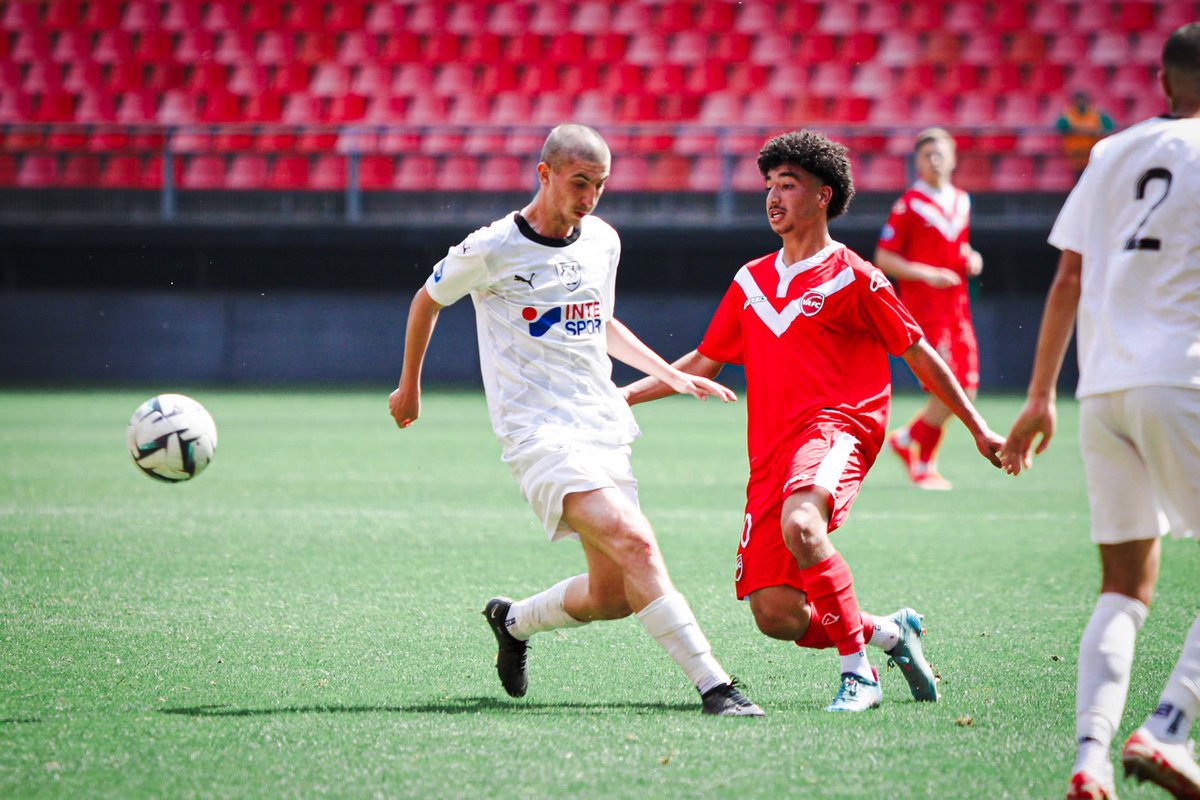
(954, 341)
(825, 454)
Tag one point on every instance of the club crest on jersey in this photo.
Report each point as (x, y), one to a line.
(570, 273)
(811, 303)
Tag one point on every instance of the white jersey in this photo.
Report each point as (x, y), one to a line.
(1134, 216)
(541, 307)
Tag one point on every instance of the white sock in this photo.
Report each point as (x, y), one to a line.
(858, 664)
(885, 634)
(1105, 661)
(670, 621)
(1180, 700)
(903, 437)
(542, 612)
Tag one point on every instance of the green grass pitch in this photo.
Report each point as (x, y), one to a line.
(302, 620)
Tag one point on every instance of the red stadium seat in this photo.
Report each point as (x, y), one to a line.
(607, 48)
(1045, 79)
(830, 79)
(715, 18)
(1054, 174)
(504, 173)
(496, 78)
(416, 173)
(646, 48)
(675, 16)
(664, 79)
(127, 171)
(924, 16)
(248, 79)
(20, 16)
(880, 173)
(982, 47)
(428, 110)
(203, 172)
(453, 79)
(401, 47)
(345, 17)
(386, 108)
(894, 109)
(839, 18)
(816, 48)
(42, 77)
(316, 47)
(1067, 47)
(755, 18)
(10, 75)
(288, 172)
(1109, 48)
(221, 15)
(483, 48)
(721, 108)
(357, 47)
(959, 78)
(1092, 17)
(38, 171)
(1026, 47)
(66, 138)
(329, 173)
(347, 108)
(140, 16)
(976, 110)
(798, 17)
(71, 45)
(899, 48)
(689, 48)
(965, 17)
(55, 106)
(629, 174)
(31, 44)
(596, 107)
(552, 108)
(631, 18)
(235, 47)
(441, 48)
(276, 48)
(459, 172)
(706, 174)
(974, 172)
(263, 16)
(96, 105)
(941, 47)
(589, 16)
(412, 80)
(329, 80)
(549, 18)
(1013, 173)
(376, 172)
(265, 106)
(774, 47)
(177, 107)
(8, 169)
(247, 171)
(508, 19)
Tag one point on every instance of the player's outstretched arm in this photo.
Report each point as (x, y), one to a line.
(624, 346)
(897, 266)
(927, 365)
(405, 400)
(649, 388)
(1035, 423)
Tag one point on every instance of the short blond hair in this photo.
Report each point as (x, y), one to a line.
(934, 135)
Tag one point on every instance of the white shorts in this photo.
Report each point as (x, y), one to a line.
(549, 470)
(1141, 453)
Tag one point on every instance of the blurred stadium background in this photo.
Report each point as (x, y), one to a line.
(248, 192)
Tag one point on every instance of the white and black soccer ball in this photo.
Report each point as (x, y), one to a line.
(171, 438)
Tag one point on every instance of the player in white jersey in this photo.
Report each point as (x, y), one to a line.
(1130, 269)
(542, 281)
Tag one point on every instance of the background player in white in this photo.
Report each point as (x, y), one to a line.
(1130, 268)
(542, 281)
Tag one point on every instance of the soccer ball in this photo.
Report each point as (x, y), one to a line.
(171, 438)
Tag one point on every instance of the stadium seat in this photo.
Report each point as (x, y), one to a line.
(772, 47)
(880, 173)
(203, 172)
(504, 173)
(453, 79)
(838, 18)
(898, 48)
(152, 47)
(441, 48)
(798, 17)
(346, 108)
(1092, 17)
(398, 141)
(38, 171)
(181, 15)
(1003, 78)
(552, 108)
(248, 79)
(265, 15)
(459, 173)
(675, 16)
(1067, 46)
(924, 16)
(1054, 174)
(976, 109)
(755, 18)
(549, 18)
(20, 16)
(483, 48)
(383, 17)
(1045, 78)
(596, 107)
(304, 16)
(509, 19)
(54, 106)
(31, 44)
(415, 173)
(1038, 143)
(288, 173)
(496, 78)
(42, 77)
(72, 44)
(629, 174)
(195, 46)
(266, 106)
(426, 109)
(412, 79)
(96, 105)
(329, 80)
(1109, 48)
(235, 47)
(316, 47)
(706, 174)
(376, 172)
(65, 138)
(1132, 79)
(329, 173)
(606, 48)
(965, 17)
(8, 169)
(140, 16)
(276, 48)
(345, 18)
(895, 109)
(721, 108)
(815, 48)
(400, 47)
(129, 171)
(386, 108)
(1013, 173)
(220, 106)
(715, 18)
(830, 78)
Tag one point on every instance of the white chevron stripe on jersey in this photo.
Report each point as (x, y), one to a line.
(780, 321)
(950, 226)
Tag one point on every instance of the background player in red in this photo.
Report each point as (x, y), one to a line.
(813, 324)
(924, 247)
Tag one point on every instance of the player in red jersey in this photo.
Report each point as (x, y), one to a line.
(924, 248)
(813, 324)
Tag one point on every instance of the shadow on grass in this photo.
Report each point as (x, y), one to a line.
(20, 720)
(462, 705)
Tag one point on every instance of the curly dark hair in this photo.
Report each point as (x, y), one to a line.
(816, 155)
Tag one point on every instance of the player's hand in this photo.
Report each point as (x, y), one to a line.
(699, 387)
(989, 444)
(1035, 423)
(974, 262)
(405, 406)
(940, 278)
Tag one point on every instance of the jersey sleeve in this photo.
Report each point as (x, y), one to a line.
(885, 314)
(894, 235)
(1069, 231)
(723, 339)
(463, 270)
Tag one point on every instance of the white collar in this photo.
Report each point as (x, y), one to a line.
(789, 271)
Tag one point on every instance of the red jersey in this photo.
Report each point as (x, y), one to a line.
(920, 228)
(814, 338)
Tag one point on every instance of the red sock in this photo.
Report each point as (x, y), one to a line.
(817, 638)
(927, 439)
(830, 589)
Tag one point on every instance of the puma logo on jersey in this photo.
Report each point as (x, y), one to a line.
(528, 280)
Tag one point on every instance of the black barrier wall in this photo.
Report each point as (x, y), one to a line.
(163, 340)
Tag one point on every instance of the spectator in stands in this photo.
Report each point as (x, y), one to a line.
(924, 247)
(1126, 286)
(1082, 124)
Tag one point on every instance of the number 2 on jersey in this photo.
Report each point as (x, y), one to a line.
(1134, 242)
